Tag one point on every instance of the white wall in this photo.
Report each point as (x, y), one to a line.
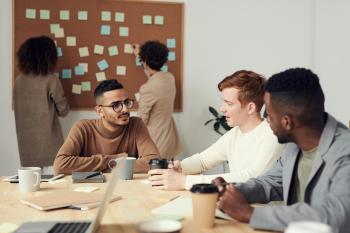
(221, 37)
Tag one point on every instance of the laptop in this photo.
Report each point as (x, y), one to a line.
(76, 226)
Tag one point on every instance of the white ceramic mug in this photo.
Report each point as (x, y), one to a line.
(308, 227)
(29, 178)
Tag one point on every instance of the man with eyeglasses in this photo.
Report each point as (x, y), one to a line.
(91, 144)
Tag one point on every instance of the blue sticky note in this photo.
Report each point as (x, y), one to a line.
(171, 56)
(66, 73)
(59, 52)
(164, 68)
(105, 30)
(171, 43)
(138, 63)
(79, 70)
(102, 64)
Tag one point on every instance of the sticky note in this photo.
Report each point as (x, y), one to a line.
(105, 30)
(8, 227)
(82, 15)
(100, 76)
(137, 61)
(164, 68)
(53, 27)
(85, 189)
(98, 49)
(106, 16)
(44, 14)
(79, 70)
(171, 43)
(71, 41)
(102, 64)
(123, 31)
(83, 51)
(159, 20)
(30, 13)
(85, 66)
(128, 48)
(59, 32)
(137, 96)
(119, 17)
(171, 56)
(86, 86)
(121, 70)
(113, 50)
(64, 15)
(147, 19)
(66, 73)
(76, 89)
(59, 52)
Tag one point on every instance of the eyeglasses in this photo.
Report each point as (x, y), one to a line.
(118, 105)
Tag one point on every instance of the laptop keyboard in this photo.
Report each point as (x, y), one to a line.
(70, 227)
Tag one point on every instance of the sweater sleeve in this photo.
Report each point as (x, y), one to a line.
(68, 158)
(57, 95)
(146, 148)
(147, 100)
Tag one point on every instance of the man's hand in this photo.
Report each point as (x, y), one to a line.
(233, 203)
(167, 179)
(175, 165)
(221, 184)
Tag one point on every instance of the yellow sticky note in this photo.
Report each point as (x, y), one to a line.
(113, 50)
(84, 65)
(59, 32)
(30, 13)
(83, 51)
(82, 15)
(98, 49)
(54, 26)
(128, 48)
(100, 76)
(119, 17)
(76, 89)
(8, 227)
(71, 41)
(106, 16)
(147, 19)
(44, 14)
(159, 20)
(121, 70)
(123, 31)
(64, 15)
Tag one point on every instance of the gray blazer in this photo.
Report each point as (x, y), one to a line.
(327, 195)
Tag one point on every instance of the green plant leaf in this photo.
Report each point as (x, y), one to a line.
(213, 111)
(208, 121)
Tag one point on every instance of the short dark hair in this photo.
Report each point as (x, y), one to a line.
(107, 85)
(154, 54)
(38, 56)
(297, 92)
(250, 85)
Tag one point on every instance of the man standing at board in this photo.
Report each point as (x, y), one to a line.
(92, 144)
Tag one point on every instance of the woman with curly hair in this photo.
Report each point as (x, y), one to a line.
(157, 98)
(38, 99)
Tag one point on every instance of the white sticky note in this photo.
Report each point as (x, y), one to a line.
(128, 48)
(106, 16)
(98, 49)
(54, 26)
(147, 19)
(71, 41)
(85, 189)
(85, 65)
(76, 89)
(100, 76)
(113, 50)
(119, 17)
(59, 32)
(64, 15)
(30, 13)
(44, 14)
(82, 15)
(121, 70)
(83, 51)
(159, 20)
(123, 31)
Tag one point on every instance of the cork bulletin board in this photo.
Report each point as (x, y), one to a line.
(94, 38)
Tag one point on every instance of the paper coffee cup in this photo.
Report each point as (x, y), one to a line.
(204, 198)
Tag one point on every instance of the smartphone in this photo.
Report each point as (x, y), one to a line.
(44, 178)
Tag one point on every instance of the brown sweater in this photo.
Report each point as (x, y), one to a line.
(89, 146)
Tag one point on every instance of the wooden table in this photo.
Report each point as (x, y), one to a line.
(138, 199)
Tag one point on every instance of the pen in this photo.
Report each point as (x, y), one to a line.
(59, 176)
(93, 174)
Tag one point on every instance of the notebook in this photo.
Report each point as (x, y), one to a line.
(88, 177)
(182, 206)
(63, 198)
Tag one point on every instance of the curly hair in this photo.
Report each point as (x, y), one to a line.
(38, 56)
(298, 92)
(154, 54)
(250, 86)
(107, 85)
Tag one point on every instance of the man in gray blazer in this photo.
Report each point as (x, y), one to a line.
(312, 176)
